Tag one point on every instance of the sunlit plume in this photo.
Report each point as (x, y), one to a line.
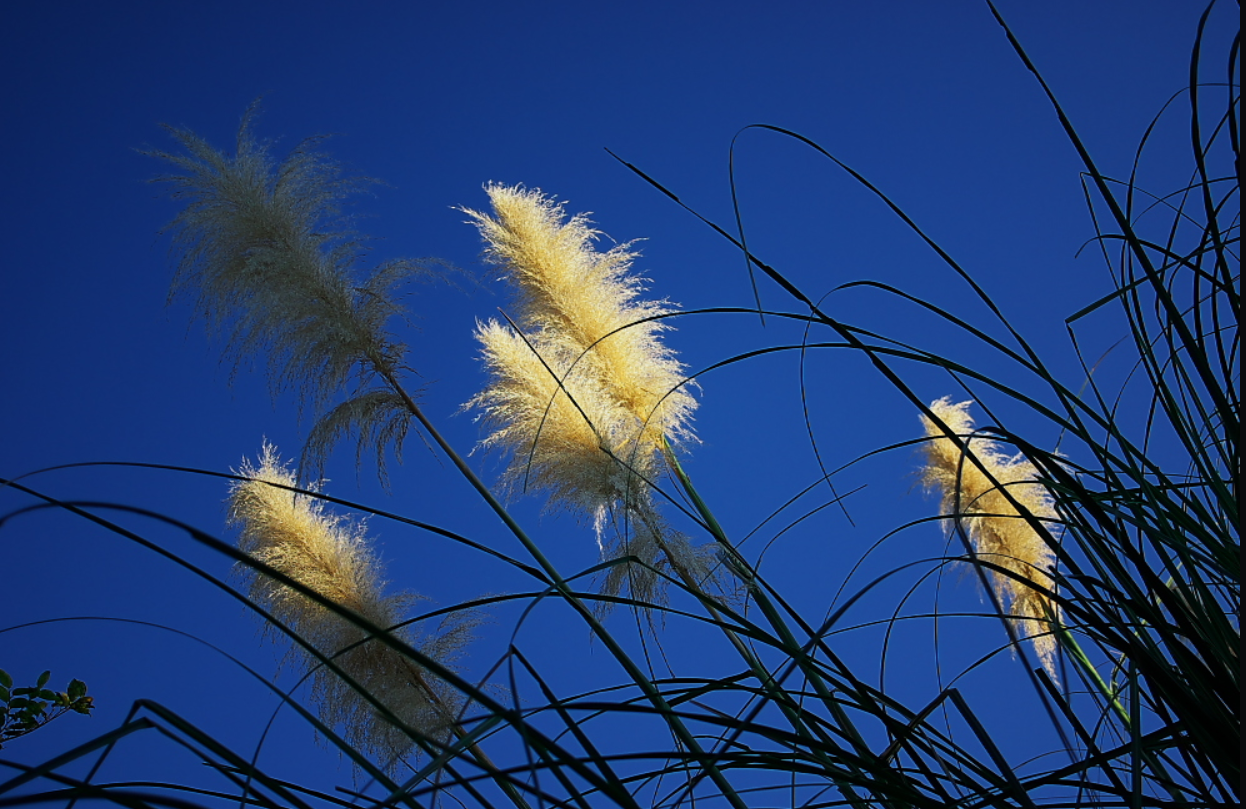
(329, 554)
(1000, 534)
(589, 386)
(583, 397)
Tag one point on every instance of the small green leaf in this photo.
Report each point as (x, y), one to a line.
(77, 688)
(4, 694)
(43, 679)
(47, 694)
(5, 679)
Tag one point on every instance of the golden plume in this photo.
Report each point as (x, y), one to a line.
(293, 533)
(997, 530)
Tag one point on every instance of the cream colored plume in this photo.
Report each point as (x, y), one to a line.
(568, 439)
(998, 531)
(329, 554)
(585, 398)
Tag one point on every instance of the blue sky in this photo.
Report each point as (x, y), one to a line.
(927, 100)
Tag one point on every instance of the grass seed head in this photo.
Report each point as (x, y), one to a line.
(294, 534)
(585, 398)
(273, 266)
(999, 532)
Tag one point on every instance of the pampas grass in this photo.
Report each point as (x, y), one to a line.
(582, 306)
(583, 396)
(589, 334)
(978, 484)
(272, 266)
(294, 533)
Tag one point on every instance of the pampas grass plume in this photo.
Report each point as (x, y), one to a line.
(294, 534)
(583, 395)
(585, 399)
(273, 266)
(998, 532)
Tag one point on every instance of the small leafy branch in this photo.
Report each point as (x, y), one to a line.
(25, 710)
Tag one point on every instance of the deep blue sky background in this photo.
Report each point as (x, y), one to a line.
(925, 99)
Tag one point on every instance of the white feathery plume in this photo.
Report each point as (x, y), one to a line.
(998, 532)
(585, 331)
(272, 266)
(293, 533)
(583, 396)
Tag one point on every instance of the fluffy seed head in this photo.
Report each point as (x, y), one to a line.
(574, 440)
(271, 265)
(998, 531)
(585, 327)
(329, 554)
